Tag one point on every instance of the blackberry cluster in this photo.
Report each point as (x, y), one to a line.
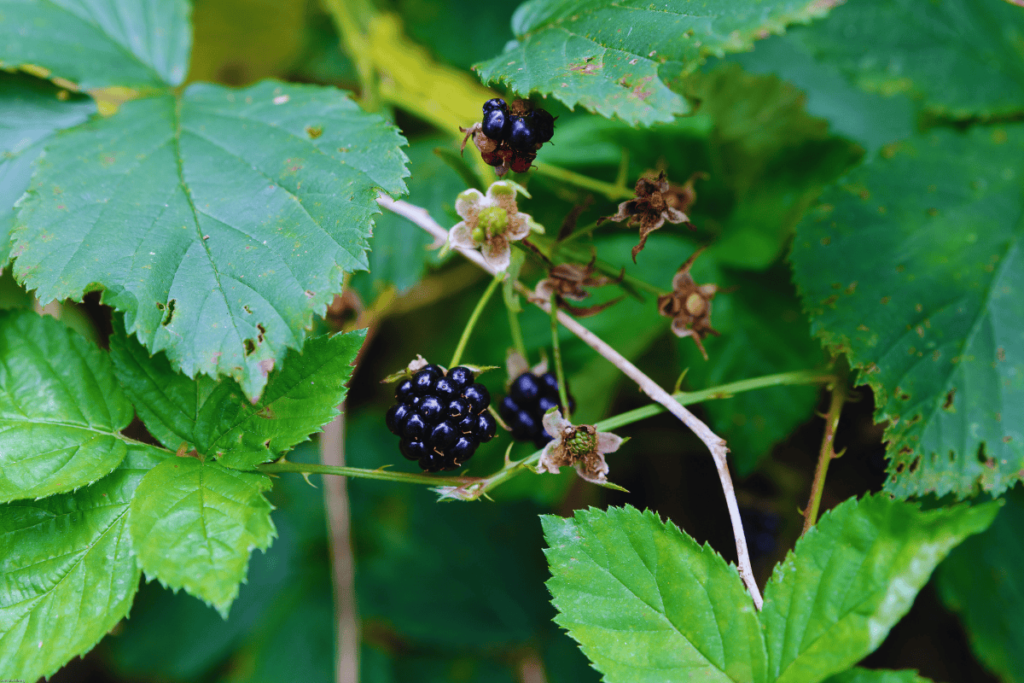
(529, 397)
(519, 136)
(442, 418)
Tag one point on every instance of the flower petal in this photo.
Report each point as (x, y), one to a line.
(544, 289)
(555, 424)
(608, 442)
(593, 468)
(518, 226)
(497, 253)
(468, 204)
(547, 459)
(460, 236)
(675, 215)
(503, 193)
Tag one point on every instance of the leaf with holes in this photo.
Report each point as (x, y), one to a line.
(68, 571)
(219, 223)
(98, 43)
(646, 603)
(61, 409)
(215, 418)
(193, 525)
(31, 113)
(983, 581)
(849, 580)
(914, 267)
(624, 58)
(960, 58)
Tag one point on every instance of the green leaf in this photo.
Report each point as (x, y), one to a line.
(983, 581)
(193, 525)
(914, 268)
(216, 419)
(620, 59)
(858, 675)
(31, 113)
(960, 58)
(219, 223)
(99, 43)
(61, 409)
(646, 603)
(849, 580)
(68, 571)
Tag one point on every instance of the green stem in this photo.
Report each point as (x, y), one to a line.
(517, 333)
(457, 356)
(563, 396)
(825, 456)
(475, 487)
(609, 190)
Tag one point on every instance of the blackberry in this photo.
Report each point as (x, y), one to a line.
(496, 125)
(441, 417)
(497, 104)
(543, 125)
(521, 137)
(529, 397)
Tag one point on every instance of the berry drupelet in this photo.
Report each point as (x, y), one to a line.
(441, 417)
(511, 134)
(529, 397)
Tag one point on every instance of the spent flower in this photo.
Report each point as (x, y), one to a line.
(490, 223)
(582, 447)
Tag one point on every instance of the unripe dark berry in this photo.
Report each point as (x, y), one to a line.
(458, 408)
(404, 391)
(486, 427)
(496, 104)
(431, 409)
(521, 137)
(521, 161)
(477, 397)
(443, 435)
(525, 390)
(415, 427)
(460, 377)
(413, 449)
(496, 125)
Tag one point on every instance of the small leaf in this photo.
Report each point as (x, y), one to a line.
(859, 675)
(61, 409)
(31, 113)
(621, 60)
(834, 598)
(914, 268)
(217, 420)
(193, 525)
(646, 603)
(99, 43)
(219, 223)
(983, 581)
(68, 571)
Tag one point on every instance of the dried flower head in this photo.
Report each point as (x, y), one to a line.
(582, 447)
(653, 204)
(490, 223)
(568, 280)
(689, 305)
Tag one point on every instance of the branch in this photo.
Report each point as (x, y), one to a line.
(714, 443)
(826, 455)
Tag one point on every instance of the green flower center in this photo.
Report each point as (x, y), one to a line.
(582, 443)
(493, 220)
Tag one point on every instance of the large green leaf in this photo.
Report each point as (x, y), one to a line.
(31, 112)
(99, 43)
(620, 58)
(646, 603)
(961, 58)
(849, 580)
(914, 268)
(983, 580)
(859, 675)
(219, 222)
(68, 571)
(61, 409)
(193, 525)
(216, 419)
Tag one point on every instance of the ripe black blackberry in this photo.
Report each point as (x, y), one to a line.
(441, 417)
(529, 397)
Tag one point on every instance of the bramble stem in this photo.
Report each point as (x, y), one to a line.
(358, 473)
(457, 356)
(563, 396)
(609, 190)
(825, 455)
(517, 333)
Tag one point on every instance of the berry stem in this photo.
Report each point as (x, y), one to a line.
(563, 396)
(609, 190)
(457, 356)
(826, 454)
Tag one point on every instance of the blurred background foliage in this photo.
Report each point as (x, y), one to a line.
(454, 592)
